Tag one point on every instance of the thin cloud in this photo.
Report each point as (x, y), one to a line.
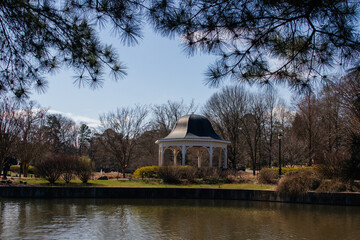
(78, 119)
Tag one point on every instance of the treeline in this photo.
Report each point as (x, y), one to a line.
(320, 127)
(125, 137)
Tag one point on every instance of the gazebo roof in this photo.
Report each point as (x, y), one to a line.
(193, 127)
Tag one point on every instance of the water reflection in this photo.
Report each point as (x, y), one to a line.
(173, 219)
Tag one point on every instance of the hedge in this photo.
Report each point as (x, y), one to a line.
(147, 172)
(16, 169)
(271, 175)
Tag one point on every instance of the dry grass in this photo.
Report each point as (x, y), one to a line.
(245, 176)
(110, 175)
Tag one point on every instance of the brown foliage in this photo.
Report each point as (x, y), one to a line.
(330, 168)
(268, 176)
(68, 165)
(50, 168)
(84, 169)
(331, 186)
(170, 174)
(298, 183)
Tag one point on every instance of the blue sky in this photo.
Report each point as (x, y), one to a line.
(158, 70)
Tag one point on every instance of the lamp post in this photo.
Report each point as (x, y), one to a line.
(279, 137)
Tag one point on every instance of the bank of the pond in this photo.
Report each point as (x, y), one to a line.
(350, 199)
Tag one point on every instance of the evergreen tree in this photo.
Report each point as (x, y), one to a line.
(37, 37)
(301, 38)
(261, 41)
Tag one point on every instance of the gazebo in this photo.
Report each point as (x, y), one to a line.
(193, 131)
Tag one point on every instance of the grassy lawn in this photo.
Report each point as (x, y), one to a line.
(142, 183)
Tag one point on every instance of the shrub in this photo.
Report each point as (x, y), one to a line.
(355, 187)
(350, 169)
(226, 176)
(330, 186)
(339, 166)
(224, 173)
(268, 176)
(289, 171)
(188, 172)
(104, 177)
(147, 172)
(212, 180)
(243, 177)
(31, 169)
(84, 169)
(50, 168)
(208, 172)
(69, 165)
(328, 171)
(170, 174)
(15, 168)
(330, 165)
(298, 183)
(216, 175)
(229, 179)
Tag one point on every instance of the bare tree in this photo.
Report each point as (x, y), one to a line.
(102, 158)
(31, 137)
(271, 103)
(120, 132)
(350, 101)
(61, 134)
(308, 112)
(224, 110)
(291, 146)
(9, 128)
(166, 115)
(253, 127)
(332, 119)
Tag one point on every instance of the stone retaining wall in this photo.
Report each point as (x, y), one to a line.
(351, 199)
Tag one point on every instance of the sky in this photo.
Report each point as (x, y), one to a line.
(158, 70)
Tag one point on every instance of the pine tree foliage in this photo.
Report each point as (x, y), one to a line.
(37, 37)
(257, 41)
(265, 41)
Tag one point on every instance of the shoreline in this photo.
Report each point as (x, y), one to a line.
(345, 199)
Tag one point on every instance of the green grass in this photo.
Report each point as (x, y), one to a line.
(142, 183)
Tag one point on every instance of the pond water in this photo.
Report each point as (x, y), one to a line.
(173, 219)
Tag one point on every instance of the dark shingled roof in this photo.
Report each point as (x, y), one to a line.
(193, 126)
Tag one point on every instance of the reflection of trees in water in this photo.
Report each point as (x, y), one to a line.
(241, 220)
(174, 219)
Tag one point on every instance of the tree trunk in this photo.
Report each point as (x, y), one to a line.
(254, 165)
(123, 171)
(1, 165)
(25, 169)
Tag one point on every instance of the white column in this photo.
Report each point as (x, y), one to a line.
(199, 153)
(220, 158)
(183, 151)
(225, 157)
(211, 156)
(159, 160)
(175, 153)
(162, 156)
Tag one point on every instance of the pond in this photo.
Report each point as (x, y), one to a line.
(173, 219)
